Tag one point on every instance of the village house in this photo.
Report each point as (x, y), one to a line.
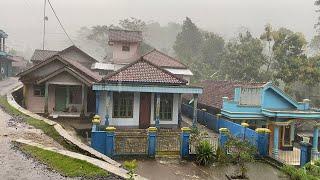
(260, 105)
(5, 60)
(143, 90)
(60, 83)
(125, 46)
(19, 64)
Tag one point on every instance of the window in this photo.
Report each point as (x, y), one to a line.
(38, 90)
(166, 104)
(125, 48)
(122, 105)
(75, 95)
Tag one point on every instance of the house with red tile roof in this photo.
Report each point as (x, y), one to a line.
(125, 50)
(141, 94)
(59, 84)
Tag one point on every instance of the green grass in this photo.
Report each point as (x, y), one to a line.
(65, 165)
(46, 128)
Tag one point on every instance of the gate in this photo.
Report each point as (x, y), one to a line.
(131, 143)
(168, 143)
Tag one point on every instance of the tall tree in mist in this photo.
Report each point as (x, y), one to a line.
(188, 41)
(243, 59)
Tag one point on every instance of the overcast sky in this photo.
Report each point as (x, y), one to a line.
(22, 19)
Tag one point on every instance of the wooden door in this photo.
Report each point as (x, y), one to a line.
(145, 110)
(60, 98)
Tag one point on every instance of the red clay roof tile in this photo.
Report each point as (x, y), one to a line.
(119, 35)
(160, 59)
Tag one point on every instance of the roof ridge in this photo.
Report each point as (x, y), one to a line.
(128, 30)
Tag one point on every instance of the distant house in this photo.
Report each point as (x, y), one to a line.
(260, 105)
(141, 90)
(125, 50)
(19, 64)
(5, 60)
(60, 83)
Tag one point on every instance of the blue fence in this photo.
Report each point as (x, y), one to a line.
(212, 122)
(204, 118)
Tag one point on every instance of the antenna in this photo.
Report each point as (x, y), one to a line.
(44, 23)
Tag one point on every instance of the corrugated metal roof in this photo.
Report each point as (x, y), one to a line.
(186, 72)
(103, 66)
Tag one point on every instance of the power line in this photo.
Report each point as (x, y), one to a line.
(54, 12)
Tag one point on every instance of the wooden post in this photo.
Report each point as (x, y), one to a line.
(46, 92)
(83, 100)
(157, 123)
(68, 96)
(195, 109)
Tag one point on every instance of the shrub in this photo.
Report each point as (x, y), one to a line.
(131, 166)
(221, 155)
(297, 174)
(204, 153)
(241, 152)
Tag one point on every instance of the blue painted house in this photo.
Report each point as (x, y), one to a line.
(5, 59)
(260, 105)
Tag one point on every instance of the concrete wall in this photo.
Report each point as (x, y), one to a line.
(106, 105)
(119, 54)
(273, 100)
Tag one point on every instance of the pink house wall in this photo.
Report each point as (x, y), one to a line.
(36, 103)
(119, 54)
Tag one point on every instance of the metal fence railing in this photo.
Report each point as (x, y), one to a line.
(168, 143)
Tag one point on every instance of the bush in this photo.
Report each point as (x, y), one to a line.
(221, 156)
(297, 174)
(204, 153)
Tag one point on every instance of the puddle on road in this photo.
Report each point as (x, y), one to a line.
(174, 169)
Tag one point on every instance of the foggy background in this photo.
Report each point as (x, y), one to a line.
(22, 20)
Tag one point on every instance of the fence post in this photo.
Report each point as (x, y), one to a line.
(152, 138)
(305, 153)
(184, 147)
(110, 140)
(223, 137)
(217, 123)
(244, 129)
(263, 141)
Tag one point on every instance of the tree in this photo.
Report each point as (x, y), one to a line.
(268, 37)
(289, 55)
(132, 24)
(188, 41)
(211, 50)
(241, 152)
(309, 72)
(243, 59)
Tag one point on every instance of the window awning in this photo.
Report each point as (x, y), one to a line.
(147, 88)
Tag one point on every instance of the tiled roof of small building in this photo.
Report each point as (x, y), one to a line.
(119, 35)
(144, 72)
(213, 91)
(40, 55)
(160, 59)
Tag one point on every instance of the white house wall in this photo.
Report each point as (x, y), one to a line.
(134, 122)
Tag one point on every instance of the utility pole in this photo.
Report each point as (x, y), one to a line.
(44, 23)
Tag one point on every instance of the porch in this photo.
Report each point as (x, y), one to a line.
(141, 106)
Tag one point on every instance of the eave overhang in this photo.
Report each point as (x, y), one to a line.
(291, 114)
(147, 88)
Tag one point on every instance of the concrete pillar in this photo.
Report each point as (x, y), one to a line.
(315, 141)
(275, 150)
(110, 141)
(263, 141)
(179, 111)
(46, 98)
(97, 101)
(68, 96)
(83, 100)
(108, 100)
(195, 110)
(216, 129)
(223, 137)
(157, 123)
(305, 153)
(185, 139)
(152, 141)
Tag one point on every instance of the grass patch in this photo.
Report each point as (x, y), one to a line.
(65, 165)
(46, 128)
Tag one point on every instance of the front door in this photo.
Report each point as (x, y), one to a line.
(61, 98)
(145, 110)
